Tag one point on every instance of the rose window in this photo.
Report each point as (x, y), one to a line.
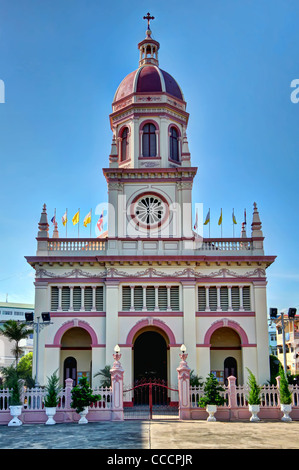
(150, 210)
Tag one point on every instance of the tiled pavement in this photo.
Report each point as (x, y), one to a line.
(156, 434)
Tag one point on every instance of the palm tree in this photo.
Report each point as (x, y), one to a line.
(15, 331)
(106, 376)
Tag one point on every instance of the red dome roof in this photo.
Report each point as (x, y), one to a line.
(148, 79)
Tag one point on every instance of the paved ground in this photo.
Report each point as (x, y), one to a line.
(145, 434)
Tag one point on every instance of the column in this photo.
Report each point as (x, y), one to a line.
(184, 388)
(156, 298)
(59, 299)
(41, 305)
(219, 309)
(241, 299)
(93, 308)
(82, 299)
(261, 329)
(117, 374)
(144, 309)
(112, 302)
(132, 308)
(168, 299)
(189, 309)
(71, 298)
(207, 300)
(230, 305)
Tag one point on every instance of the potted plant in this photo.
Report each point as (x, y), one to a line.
(82, 398)
(254, 399)
(51, 399)
(212, 397)
(285, 396)
(15, 403)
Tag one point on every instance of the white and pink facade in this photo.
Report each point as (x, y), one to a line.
(152, 284)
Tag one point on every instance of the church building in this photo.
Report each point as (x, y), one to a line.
(152, 284)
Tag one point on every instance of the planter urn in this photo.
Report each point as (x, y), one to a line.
(286, 409)
(254, 410)
(211, 409)
(50, 412)
(15, 411)
(83, 419)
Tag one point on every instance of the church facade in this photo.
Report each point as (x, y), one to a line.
(153, 283)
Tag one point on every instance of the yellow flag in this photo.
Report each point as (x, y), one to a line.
(234, 218)
(87, 219)
(75, 219)
(220, 219)
(64, 219)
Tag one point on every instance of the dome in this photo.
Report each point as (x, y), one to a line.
(148, 79)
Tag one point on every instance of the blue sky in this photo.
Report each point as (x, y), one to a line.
(61, 62)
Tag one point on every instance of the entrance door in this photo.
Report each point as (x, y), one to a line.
(150, 357)
(230, 368)
(70, 369)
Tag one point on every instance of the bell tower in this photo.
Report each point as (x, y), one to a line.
(150, 174)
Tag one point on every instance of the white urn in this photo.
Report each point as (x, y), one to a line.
(286, 409)
(50, 412)
(15, 411)
(83, 419)
(254, 410)
(211, 409)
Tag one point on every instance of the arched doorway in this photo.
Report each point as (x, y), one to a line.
(75, 354)
(230, 368)
(226, 354)
(70, 369)
(150, 356)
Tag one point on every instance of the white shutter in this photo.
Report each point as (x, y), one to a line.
(54, 299)
(175, 298)
(246, 298)
(138, 298)
(88, 298)
(213, 298)
(77, 298)
(162, 297)
(224, 298)
(236, 298)
(201, 299)
(99, 298)
(126, 297)
(65, 298)
(150, 298)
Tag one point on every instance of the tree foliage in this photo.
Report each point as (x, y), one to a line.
(212, 395)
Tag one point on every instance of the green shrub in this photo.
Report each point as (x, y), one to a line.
(254, 397)
(53, 389)
(82, 395)
(285, 395)
(212, 391)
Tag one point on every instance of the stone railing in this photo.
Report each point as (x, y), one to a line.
(78, 245)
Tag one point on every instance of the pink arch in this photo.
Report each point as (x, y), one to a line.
(144, 323)
(229, 324)
(72, 324)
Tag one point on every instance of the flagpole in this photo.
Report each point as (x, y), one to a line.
(90, 221)
(209, 224)
(78, 221)
(233, 225)
(66, 224)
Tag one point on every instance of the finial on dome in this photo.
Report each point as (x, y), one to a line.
(148, 17)
(148, 47)
(43, 225)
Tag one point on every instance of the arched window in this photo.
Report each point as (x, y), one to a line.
(149, 148)
(124, 151)
(174, 144)
(70, 369)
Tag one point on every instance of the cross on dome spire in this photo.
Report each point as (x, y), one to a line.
(148, 17)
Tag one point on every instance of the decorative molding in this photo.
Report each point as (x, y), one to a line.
(152, 273)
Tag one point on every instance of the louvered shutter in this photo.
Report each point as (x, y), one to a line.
(246, 298)
(100, 298)
(201, 299)
(175, 298)
(162, 298)
(150, 298)
(54, 299)
(88, 298)
(224, 298)
(65, 298)
(126, 297)
(138, 297)
(235, 298)
(213, 298)
(77, 298)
